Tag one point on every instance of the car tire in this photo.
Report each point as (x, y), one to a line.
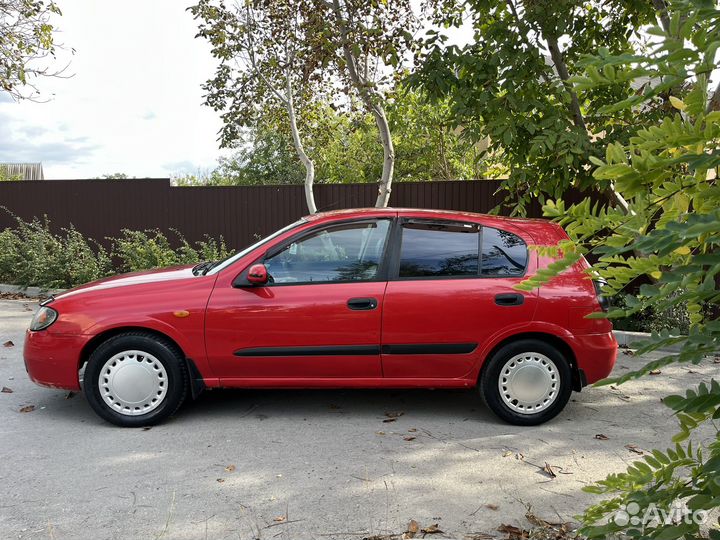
(526, 382)
(136, 379)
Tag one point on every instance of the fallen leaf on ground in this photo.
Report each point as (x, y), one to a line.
(547, 469)
(280, 519)
(230, 468)
(147, 428)
(513, 533)
(634, 448)
(27, 408)
(6, 390)
(388, 420)
(629, 352)
(601, 437)
(8, 344)
(507, 453)
(412, 430)
(409, 438)
(491, 506)
(379, 433)
(717, 360)
(394, 414)
(70, 395)
(220, 480)
(411, 531)
(478, 536)
(431, 529)
(655, 372)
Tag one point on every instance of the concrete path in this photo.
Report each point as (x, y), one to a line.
(307, 464)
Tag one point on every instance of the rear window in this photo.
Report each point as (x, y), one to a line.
(503, 253)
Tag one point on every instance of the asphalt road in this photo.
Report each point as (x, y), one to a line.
(307, 464)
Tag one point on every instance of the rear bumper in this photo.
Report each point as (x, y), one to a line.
(595, 355)
(52, 359)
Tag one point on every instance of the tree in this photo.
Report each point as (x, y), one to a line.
(665, 169)
(265, 62)
(369, 37)
(343, 146)
(26, 41)
(511, 84)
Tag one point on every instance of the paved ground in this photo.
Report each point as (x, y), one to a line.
(306, 464)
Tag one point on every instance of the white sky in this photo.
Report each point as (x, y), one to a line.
(133, 104)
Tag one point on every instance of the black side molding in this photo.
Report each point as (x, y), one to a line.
(361, 350)
(430, 348)
(333, 350)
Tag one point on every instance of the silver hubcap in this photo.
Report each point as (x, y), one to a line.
(529, 383)
(133, 383)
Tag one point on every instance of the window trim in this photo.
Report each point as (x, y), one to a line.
(394, 266)
(241, 281)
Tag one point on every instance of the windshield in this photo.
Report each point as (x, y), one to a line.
(230, 260)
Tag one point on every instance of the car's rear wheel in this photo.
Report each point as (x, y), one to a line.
(526, 382)
(135, 379)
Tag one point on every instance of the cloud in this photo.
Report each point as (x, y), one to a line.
(30, 143)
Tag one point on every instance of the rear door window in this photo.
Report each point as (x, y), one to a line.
(435, 249)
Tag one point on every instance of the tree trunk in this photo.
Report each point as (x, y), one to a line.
(372, 103)
(300, 149)
(561, 68)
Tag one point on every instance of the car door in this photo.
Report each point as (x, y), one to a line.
(450, 291)
(317, 317)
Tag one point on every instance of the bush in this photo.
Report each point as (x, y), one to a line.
(675, 319)
(31, 254)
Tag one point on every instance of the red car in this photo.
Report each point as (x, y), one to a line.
(366, 298)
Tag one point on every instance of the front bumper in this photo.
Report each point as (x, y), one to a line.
(596, 355)
(52, 360)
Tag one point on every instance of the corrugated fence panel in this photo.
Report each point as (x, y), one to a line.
(241, 214)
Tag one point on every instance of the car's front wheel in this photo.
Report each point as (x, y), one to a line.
(135, 379)
(526, 382)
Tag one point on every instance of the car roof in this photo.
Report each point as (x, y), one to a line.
(423, 212)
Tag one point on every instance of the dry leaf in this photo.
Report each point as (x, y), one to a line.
(6, 390)
(70, 395)
(629, 352)
(478, 536)
(380, 433)
(27, 408)
(412, 430)
(394, 414)
(491, 506)
(655, 372)
(147, 428)
(547, 469)
(507, 453)
(8, 344)
(601, 437)
(634, 448)
(412, 530)
(513, 533)
(388, 420)
(431, 529)
(230, 468)
(280, 519)
(717, 360)
(409, 438)
(220, 480)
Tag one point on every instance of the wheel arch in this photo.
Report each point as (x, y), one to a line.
(553, 340)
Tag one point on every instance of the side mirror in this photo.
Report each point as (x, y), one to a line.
(258, 274)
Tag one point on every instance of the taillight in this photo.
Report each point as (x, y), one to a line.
(603, 300)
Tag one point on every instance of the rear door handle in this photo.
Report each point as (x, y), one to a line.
(362, 304)
(509, 299)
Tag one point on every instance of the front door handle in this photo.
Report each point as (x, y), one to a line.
(362, 304)
(509, 299)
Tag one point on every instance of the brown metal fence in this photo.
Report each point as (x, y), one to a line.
(102, 208)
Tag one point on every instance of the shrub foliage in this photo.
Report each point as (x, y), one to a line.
(31, 254)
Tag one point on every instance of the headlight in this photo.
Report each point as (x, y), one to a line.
(43, 318)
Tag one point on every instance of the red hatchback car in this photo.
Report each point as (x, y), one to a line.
(372, 298)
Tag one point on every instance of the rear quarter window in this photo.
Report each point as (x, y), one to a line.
(503, 253)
